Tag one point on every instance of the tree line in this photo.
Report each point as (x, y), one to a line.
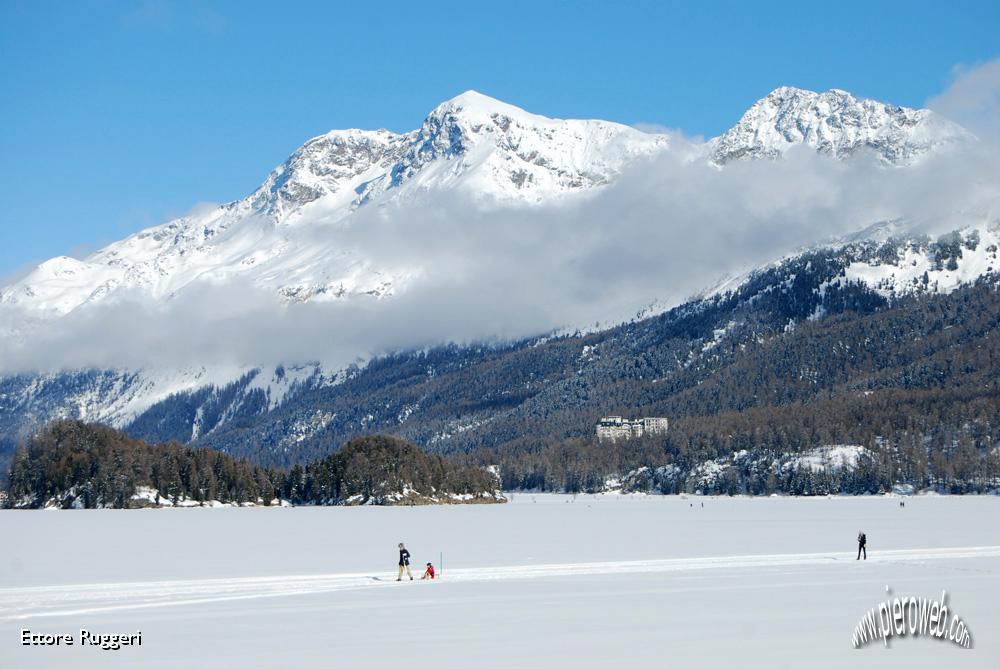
(72, 464)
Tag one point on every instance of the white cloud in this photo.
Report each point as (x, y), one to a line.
(973, 99)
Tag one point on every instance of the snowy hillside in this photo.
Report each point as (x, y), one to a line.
(892, 262)
(918, 265)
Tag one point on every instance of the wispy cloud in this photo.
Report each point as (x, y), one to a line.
(167, 15)
(160, 15)
(973, 99)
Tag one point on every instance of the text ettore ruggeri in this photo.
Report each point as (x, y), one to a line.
(85, 638)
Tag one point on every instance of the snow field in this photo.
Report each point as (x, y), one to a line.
(545, 581)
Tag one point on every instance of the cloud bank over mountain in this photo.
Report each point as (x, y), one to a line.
(438, 263)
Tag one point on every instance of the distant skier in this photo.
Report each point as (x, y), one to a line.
(404, 562)
(862, 540)
(428, 573)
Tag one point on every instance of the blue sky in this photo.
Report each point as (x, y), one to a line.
(118, 115)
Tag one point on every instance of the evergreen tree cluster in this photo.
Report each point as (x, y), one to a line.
(94, 466)
(79, 465)
(383, 470)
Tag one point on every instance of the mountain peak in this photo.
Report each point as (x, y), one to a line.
(786, 92)
(479, 108)
(796, 93)
(329, 166)
(474, 98)
(834, 122)
(503, 152)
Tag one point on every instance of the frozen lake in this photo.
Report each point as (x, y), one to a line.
(542, 581)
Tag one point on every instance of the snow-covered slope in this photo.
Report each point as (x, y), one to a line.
(835, 123)
(208, 396)
(893, 262)
(915, 265)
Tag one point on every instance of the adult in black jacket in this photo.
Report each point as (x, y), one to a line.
(862, 540)
(404, 562)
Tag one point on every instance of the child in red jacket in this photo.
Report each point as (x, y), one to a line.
(428, 573)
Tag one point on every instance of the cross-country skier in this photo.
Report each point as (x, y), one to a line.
(862, 540)
(428, 573)
(404, 562)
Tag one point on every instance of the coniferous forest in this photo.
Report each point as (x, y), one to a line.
(72, 464)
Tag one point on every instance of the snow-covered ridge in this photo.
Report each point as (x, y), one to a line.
(835, 123)
(506, 153)
(333, 166)
(495, 153)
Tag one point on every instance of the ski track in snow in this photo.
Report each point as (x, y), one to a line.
(69, 600)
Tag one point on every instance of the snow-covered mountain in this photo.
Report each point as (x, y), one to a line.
(496, 153)
(491, 153)
(835, 123)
